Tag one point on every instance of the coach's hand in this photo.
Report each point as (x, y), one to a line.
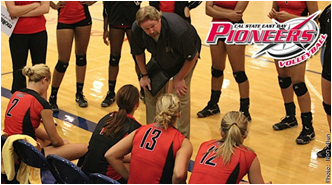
(145, 83)
(180, 87)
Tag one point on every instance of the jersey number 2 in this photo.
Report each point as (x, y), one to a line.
(14, 103)
(150, 145)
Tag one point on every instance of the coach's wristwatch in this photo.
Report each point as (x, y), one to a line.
(142, 75)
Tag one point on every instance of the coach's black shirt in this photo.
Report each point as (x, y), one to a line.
(178, 41)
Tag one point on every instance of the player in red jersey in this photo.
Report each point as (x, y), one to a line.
(29, 34)
(291, 79)
(74, 21)
(227, 11)
(27, 107)
(182, 8)
(227, 160)
(159, 152)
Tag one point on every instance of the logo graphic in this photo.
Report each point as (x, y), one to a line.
(290, 42)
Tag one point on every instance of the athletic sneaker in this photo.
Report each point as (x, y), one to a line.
(287, 122)
(209, 110)
(53, 104)
(109, 99)
(247, 115)
(80, 99)
(307, 134)
(326, 152)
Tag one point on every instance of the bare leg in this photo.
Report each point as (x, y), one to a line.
(68, 151)
(326, 92)
(64, 43)
(236, 58)
(116, 39)
(82, 38)
(287, 93)
(218, 57)
(298, 74)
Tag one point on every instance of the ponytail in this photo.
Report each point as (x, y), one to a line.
(126, 98)
(234, 130)
(114, 123)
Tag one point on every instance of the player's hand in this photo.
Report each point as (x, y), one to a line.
(180, 87)
(60, 4)
(282, 15)
(272, 14)
(235, 16)
(106, 37)
(89, 3)
(145, 82)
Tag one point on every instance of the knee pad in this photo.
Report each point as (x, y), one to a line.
(284, 82)
(327, 108)
(80, 60)
(216, 72)
(114, 60)
(300, 89)
(61, 67)
(240, 77)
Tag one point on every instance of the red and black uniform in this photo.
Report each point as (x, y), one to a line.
(298, 8)
(227, 5)
(153, 155)
(95, 161)
(29, 25)
(175, 7)
(23, 112)
(121, 14)
(28, 34)
(210, 170)
(73, 14)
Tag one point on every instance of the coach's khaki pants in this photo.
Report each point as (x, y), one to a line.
(183, 123)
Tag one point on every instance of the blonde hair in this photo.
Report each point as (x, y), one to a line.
(36, 72)
(167, 110)
(147, 12)
(234, 129)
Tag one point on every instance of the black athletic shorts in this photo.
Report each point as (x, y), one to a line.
(85, 22)
(82, 23)
(326, 72)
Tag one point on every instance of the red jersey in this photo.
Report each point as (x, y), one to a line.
(224, 4)
(153, 155)
(23, 112)
(298, 8)
(71, 13)
(210, 170)
(29, 25)
(167, 6)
